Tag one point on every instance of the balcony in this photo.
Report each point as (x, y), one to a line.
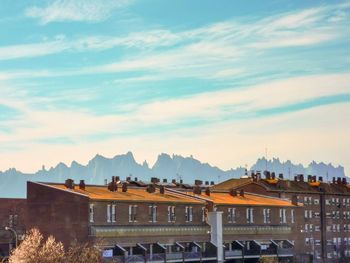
(178, 252)
(258, 248)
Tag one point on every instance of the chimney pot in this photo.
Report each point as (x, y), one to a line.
(233, 192)
(162, 189)
(69, 184)
(124, 187)
(197, 190)
(241, 193)
(151, 188)
(154, 180)
(207, 191)
(82, 185)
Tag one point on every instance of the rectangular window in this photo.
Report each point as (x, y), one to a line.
(231, 216)
(91, 213)
(132, 213)
(152, 213)
(292, 216)
(114, 217)
(109, 213)
(171, 214)
(188, 213)
(283, 217)
(250, 215)
(204, 214)
(267, 215)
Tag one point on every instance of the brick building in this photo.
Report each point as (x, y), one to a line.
(326, 226)
(13, 215)
(156, 223)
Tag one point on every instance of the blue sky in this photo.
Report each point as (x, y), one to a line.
(221, 80)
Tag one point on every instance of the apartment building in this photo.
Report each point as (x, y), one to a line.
(326, 210)
(156, 223)
(12, 215)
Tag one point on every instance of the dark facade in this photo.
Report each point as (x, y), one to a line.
(326, 211)
(12, 214)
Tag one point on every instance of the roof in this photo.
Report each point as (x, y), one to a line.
(285, 186)
(249, 199)
(133, 194)
(231, 183)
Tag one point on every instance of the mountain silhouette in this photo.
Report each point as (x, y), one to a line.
(100, 168)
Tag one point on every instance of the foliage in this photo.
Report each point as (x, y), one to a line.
(34, 249)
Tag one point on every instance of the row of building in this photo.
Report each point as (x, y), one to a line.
(239, 220)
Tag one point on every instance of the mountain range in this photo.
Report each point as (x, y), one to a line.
(13, 182)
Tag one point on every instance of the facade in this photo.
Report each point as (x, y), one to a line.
(326, 210)
(155, 223)
(13, 215)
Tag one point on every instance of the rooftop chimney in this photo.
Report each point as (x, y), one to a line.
(314, 178)
(106, 182)
(181, 181)
(207, 191)
(273, 176)
(344, 181)
(69, 184)
(339, 180)
(212, 183)
(206, 182)
(320, 179)
(165, 180)
(162, 189)
(173, 181)
(241, 193)
(128, 179)
(112, 186)
(151, 188)
(280, 176)
(309, 178)
(82, 185)
(198, 182)
(295, 178)
(197, 190)
(301, 178)
(333, 180)
(233, 192)
(136, 179)
(124, 187)
(154, 180)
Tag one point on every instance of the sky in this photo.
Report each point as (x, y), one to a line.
(225, 81)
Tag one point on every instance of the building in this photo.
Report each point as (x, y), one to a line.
(156, 223)
(326, 215)
(13, 215)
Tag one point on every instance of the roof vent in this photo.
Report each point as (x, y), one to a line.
(151, 188)
(82, 185)
(69, 184)
(207, 191)
(162, 189)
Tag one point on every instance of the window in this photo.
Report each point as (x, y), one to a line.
(108, 213)
(267, 215)
(283, 218)
(152, 213)
(189, 213)
(171, 214)
(132, 213)
(310, 213)
(204, 214)
(250, 215)
(231, 217)
(111, 215)
(292, 216)
(317, 228)
(307, 241)
(91, 213)
(306, 227)
(316, 201)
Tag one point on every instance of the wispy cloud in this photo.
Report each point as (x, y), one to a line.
(75, 10)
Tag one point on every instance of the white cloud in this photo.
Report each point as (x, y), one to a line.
(75, 10)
